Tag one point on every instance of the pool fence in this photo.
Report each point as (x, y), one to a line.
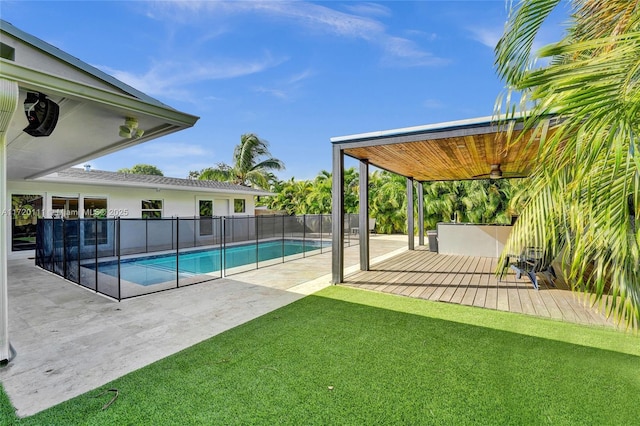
(103, 254)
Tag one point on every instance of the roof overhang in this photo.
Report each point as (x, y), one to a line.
(88, 124)
(456, 150)
(92, 107)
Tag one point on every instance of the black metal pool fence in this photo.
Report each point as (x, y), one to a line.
(94, 252)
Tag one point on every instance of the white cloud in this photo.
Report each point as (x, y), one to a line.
(286, 88)
(315, 18)
(487, 36)
(296, 78)
(280, 94)
(402, 52)
(303, 13)
(366, 8)
(166, 78)
(171, 76)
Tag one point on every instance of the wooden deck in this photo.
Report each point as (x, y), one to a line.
(471, 281)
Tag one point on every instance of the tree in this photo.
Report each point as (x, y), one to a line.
(193, 174)
(442, 202)
(312, 197)
(388, 201)
(319, 199)
(248, 169)
(584, 202)
(142, 169)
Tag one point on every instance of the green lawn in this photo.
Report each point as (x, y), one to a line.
(346, 356)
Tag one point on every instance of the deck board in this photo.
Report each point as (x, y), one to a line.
(480, 296)
(471, 281)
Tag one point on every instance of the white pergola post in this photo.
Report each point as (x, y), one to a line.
(8, 105)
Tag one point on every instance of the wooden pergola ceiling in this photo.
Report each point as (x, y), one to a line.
(451, 151)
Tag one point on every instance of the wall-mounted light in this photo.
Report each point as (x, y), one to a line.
(130, 129)
(42, 114)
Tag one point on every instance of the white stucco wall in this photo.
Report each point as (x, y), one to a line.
(125, 202)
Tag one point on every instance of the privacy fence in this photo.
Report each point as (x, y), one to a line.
(124, 258)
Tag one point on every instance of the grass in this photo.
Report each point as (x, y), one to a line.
(346, 356)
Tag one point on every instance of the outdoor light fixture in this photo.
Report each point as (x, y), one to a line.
(130, 129)
(495, 173)
(42, 114)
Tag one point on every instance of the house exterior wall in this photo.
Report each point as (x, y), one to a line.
(124, 202)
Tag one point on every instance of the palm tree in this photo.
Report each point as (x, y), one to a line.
(584, 194)
(442, 202)
(319, 199)
(248, 169)
(388, 202)
(487, 201)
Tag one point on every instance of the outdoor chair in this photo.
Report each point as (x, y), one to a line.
(372, 227)
(531, 262)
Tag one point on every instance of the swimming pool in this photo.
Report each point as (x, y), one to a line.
(150, 270)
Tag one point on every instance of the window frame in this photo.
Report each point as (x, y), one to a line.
(151, 212)
(237, 202)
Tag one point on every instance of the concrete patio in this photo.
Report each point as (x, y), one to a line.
(70, 340)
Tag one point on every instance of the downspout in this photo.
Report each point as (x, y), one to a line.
(8, 105)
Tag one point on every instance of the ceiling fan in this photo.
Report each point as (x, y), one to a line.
(495, 173)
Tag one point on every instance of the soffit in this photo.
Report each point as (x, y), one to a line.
(453, 151)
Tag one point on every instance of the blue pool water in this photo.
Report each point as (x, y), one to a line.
(157, 269)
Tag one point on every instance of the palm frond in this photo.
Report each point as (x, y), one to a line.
(583, 202)
(514, 56)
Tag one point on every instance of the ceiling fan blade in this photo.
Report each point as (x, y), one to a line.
(509, 175)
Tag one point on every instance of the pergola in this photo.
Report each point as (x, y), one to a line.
(459, 150)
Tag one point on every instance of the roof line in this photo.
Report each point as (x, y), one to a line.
(72, 60)
(108, 178)
(447, 125)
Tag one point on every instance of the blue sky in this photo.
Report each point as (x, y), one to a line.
(294, 73)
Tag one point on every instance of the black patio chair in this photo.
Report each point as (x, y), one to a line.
(531, 262)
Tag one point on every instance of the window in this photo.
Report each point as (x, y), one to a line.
(238, 205)
(206, 214)
(25, 211)
(95, 208)
(64, 207)
(151, 209)
(95, 232)
(7, 52)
